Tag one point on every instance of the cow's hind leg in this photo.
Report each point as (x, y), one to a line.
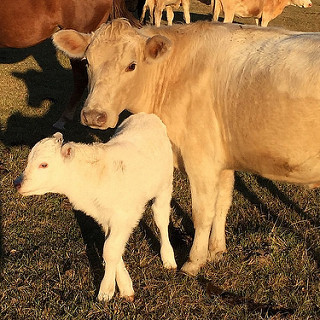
(217, 241)
(186, 10)
(161, 210)
(170, 15)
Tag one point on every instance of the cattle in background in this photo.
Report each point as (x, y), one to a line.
(262, 10)
(232, 97)
(25, 23)
(112, 183)
(156, 8)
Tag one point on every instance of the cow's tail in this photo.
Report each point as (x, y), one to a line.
(119, 10)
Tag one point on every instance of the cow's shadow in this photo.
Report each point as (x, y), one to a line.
(51, 82)
(277, 219)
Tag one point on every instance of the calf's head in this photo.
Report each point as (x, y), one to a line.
(116, 56)
(44, 171)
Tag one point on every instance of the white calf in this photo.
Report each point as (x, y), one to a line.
(157, 6)
(111, 182)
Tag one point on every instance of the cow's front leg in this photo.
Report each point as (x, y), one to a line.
(217, 242)
(204, 192)
(112, 252)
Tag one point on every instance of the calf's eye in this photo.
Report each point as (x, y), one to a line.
(43, 165)
(131, 67)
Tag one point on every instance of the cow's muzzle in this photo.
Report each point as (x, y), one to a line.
(93, 118)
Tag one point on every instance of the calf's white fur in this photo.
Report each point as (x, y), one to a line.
(111, 182)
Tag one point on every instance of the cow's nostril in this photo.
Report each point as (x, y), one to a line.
(84, 118)
(101, 119)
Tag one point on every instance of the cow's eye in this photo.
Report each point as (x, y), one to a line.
(43, 165)
(131, 67)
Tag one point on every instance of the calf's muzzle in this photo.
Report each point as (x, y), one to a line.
(17, 183)
(93, 118)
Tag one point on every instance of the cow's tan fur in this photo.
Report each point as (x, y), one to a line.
(232, 97)
(262, 10)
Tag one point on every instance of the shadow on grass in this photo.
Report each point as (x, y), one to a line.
(278, 220)
(230, 298)
(53, 84)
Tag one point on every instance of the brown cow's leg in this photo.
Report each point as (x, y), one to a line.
(80, 81)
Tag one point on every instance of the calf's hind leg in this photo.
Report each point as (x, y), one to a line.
(161, 210)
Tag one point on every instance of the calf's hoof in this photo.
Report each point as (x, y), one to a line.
(129, 298)
(191, 268)
(105, 296)
(170, 265)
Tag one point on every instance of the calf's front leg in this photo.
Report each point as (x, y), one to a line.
(124, 282)
(112, 254)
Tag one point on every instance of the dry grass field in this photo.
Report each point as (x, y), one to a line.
(51, 263)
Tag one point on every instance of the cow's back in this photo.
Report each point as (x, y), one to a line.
(271, 108)
(257, 88)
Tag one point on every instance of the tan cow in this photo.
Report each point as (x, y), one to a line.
(156, 8)
(262, 10)
(232, 97)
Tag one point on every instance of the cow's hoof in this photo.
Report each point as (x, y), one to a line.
(214, 256)
(190, 268)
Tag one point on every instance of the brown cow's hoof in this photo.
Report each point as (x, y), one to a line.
(190, 268)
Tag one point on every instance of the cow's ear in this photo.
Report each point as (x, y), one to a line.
(71, 42)
(67, 151)
(156, 47)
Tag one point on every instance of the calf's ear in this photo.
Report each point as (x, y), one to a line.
(67, 151)
(71, 42)
(156, 47)
(59, 137)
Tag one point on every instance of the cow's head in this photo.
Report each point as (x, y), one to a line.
(44, 168)
(302, 3)
(115, 54)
